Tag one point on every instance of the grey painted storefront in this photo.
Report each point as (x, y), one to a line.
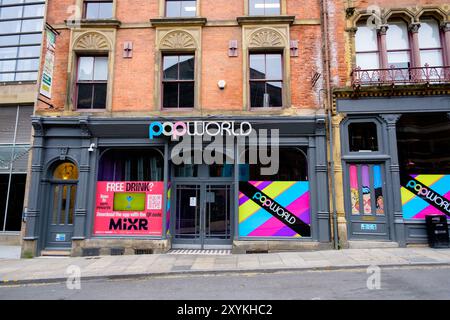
(80, 139)
(386, 112)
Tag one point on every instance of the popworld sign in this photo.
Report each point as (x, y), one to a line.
(199, 128)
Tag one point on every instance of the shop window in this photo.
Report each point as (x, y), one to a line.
(181, 8)
(13, 202)
(92, 79)
(430, 43)
(20, 39)
(221, 170)
(293, 166)
(186, 170)
(98, 9)
(266, 80)
(363, 136)
(366, 188)
(397, 45)
(178, 81)
(131, 165)
(264, 7)
(366, 46)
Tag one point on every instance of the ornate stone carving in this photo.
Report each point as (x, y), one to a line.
(383, 29)
(92, 41)
(266, 38)
(414, 27)
(178, 40)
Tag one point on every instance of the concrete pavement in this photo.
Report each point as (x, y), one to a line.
(41, 270)
(9, 252)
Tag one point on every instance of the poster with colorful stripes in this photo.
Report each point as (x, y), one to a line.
(424, 194)
(274, 209)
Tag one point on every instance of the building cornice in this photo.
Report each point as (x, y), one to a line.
(265, 20)
(178, 22)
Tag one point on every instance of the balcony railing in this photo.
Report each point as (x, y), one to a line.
(393, 75)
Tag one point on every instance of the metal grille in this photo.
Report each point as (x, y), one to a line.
(90, 252)
(143, 251)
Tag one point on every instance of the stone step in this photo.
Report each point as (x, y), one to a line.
(55, 253)
(363, 244)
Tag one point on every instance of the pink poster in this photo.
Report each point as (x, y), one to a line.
(129, 208)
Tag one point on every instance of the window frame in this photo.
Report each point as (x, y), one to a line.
(178, 81)
(93, 82)
(283, 78)
(249, 8)
(15, 72)
(345, 136)
(378, 51)
(85, 5)
(164, 9)
(410, 49)
(441, 40)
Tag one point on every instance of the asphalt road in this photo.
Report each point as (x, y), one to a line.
(395, 283)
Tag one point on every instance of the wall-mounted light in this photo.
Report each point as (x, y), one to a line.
(221, 84)
(91, 147)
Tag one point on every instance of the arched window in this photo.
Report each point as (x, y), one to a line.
(397, 45)
(366, 46)
(65, 171)
(430, 44)
(131, 165)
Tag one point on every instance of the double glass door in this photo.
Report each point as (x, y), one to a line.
(203, 216)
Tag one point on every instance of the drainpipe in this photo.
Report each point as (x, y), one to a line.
(328, 110)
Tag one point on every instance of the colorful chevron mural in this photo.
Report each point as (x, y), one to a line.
(434, 187)
(169, 190)
(255, 220)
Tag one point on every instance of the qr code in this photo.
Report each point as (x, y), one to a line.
(154, 202)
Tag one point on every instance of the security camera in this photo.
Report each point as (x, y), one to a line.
(222, 84)
(91, 147)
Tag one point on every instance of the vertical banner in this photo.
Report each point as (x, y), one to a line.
(424, 194)
(129, 208)
(49, 63)
(274, 209)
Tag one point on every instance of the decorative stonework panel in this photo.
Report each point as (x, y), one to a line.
(266, 38)
(92, 41)
(178, 40)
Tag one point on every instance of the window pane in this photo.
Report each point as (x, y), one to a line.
(366, 39)
(6, 76)
(398, 59)
(105, 10)
(367, 60)
(170, 95)
(26, 76)
(173, 8)
(84, 96)
(257, 94)
(11, 12)
(99, 96)
(92, 10)
(431, 57)
(256, 7)
(275, 92)
(186, 67)
(354, 188)
(27, 64)
(85, 68)
(257, 66)
(397, 36)
(188, 8)
(378, 187)
(34, 11)
(32, 25)
(170, 66)
(363, 137)
(429, 36)
(25, 52)
(10, 26)
(6, 53)
(9, 40)
(272, 7)
(101, 69)
(186, 95)
(7, 65)
(31, 38)
(274, 67)
(365, 179)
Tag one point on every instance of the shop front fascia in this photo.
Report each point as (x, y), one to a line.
(63, 210)
(404, 125)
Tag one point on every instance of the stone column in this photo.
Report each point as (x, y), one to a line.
(446, 29)
(415, 49)
(383, 47)
(398, 234)
(338, 181)
(33, 221)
